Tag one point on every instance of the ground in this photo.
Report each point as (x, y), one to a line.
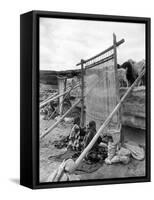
(48, 152)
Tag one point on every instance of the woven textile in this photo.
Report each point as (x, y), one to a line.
(100, 93)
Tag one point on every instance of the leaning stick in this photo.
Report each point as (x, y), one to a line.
(58, 121)
(53, 95)
(52, 99)
(59, 95)
(101, 129)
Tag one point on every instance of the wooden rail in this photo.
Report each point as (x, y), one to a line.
(99, 62)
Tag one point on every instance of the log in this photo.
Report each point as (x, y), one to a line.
(58, 121)
(90, 145)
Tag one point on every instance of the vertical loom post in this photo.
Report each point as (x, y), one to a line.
(116, 77)
(115, 66)
(82, 95)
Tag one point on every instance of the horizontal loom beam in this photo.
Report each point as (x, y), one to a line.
(103, 52)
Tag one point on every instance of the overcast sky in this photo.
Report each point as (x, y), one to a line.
(63, 42)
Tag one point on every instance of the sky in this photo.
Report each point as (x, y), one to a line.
(64, 42)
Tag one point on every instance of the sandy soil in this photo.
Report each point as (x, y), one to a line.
(47, 150)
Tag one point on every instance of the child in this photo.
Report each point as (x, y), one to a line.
(74, 136)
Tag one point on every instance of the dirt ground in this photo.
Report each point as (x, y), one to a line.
(47, 150)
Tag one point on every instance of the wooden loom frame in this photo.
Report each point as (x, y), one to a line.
(93, 64)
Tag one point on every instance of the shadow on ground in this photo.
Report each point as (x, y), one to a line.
(15, 180)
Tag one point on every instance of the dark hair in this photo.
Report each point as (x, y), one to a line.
(110, 138)
(92, 124)
(77, 120)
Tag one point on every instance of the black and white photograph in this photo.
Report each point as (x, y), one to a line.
(76, 100)
(92, 100)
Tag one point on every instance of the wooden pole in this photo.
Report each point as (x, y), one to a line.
(58, 121)
(82, 95)
(101, 129)
(115, 67)
(116, 78)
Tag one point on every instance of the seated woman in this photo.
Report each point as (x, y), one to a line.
(74, 137)
(91, 131)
